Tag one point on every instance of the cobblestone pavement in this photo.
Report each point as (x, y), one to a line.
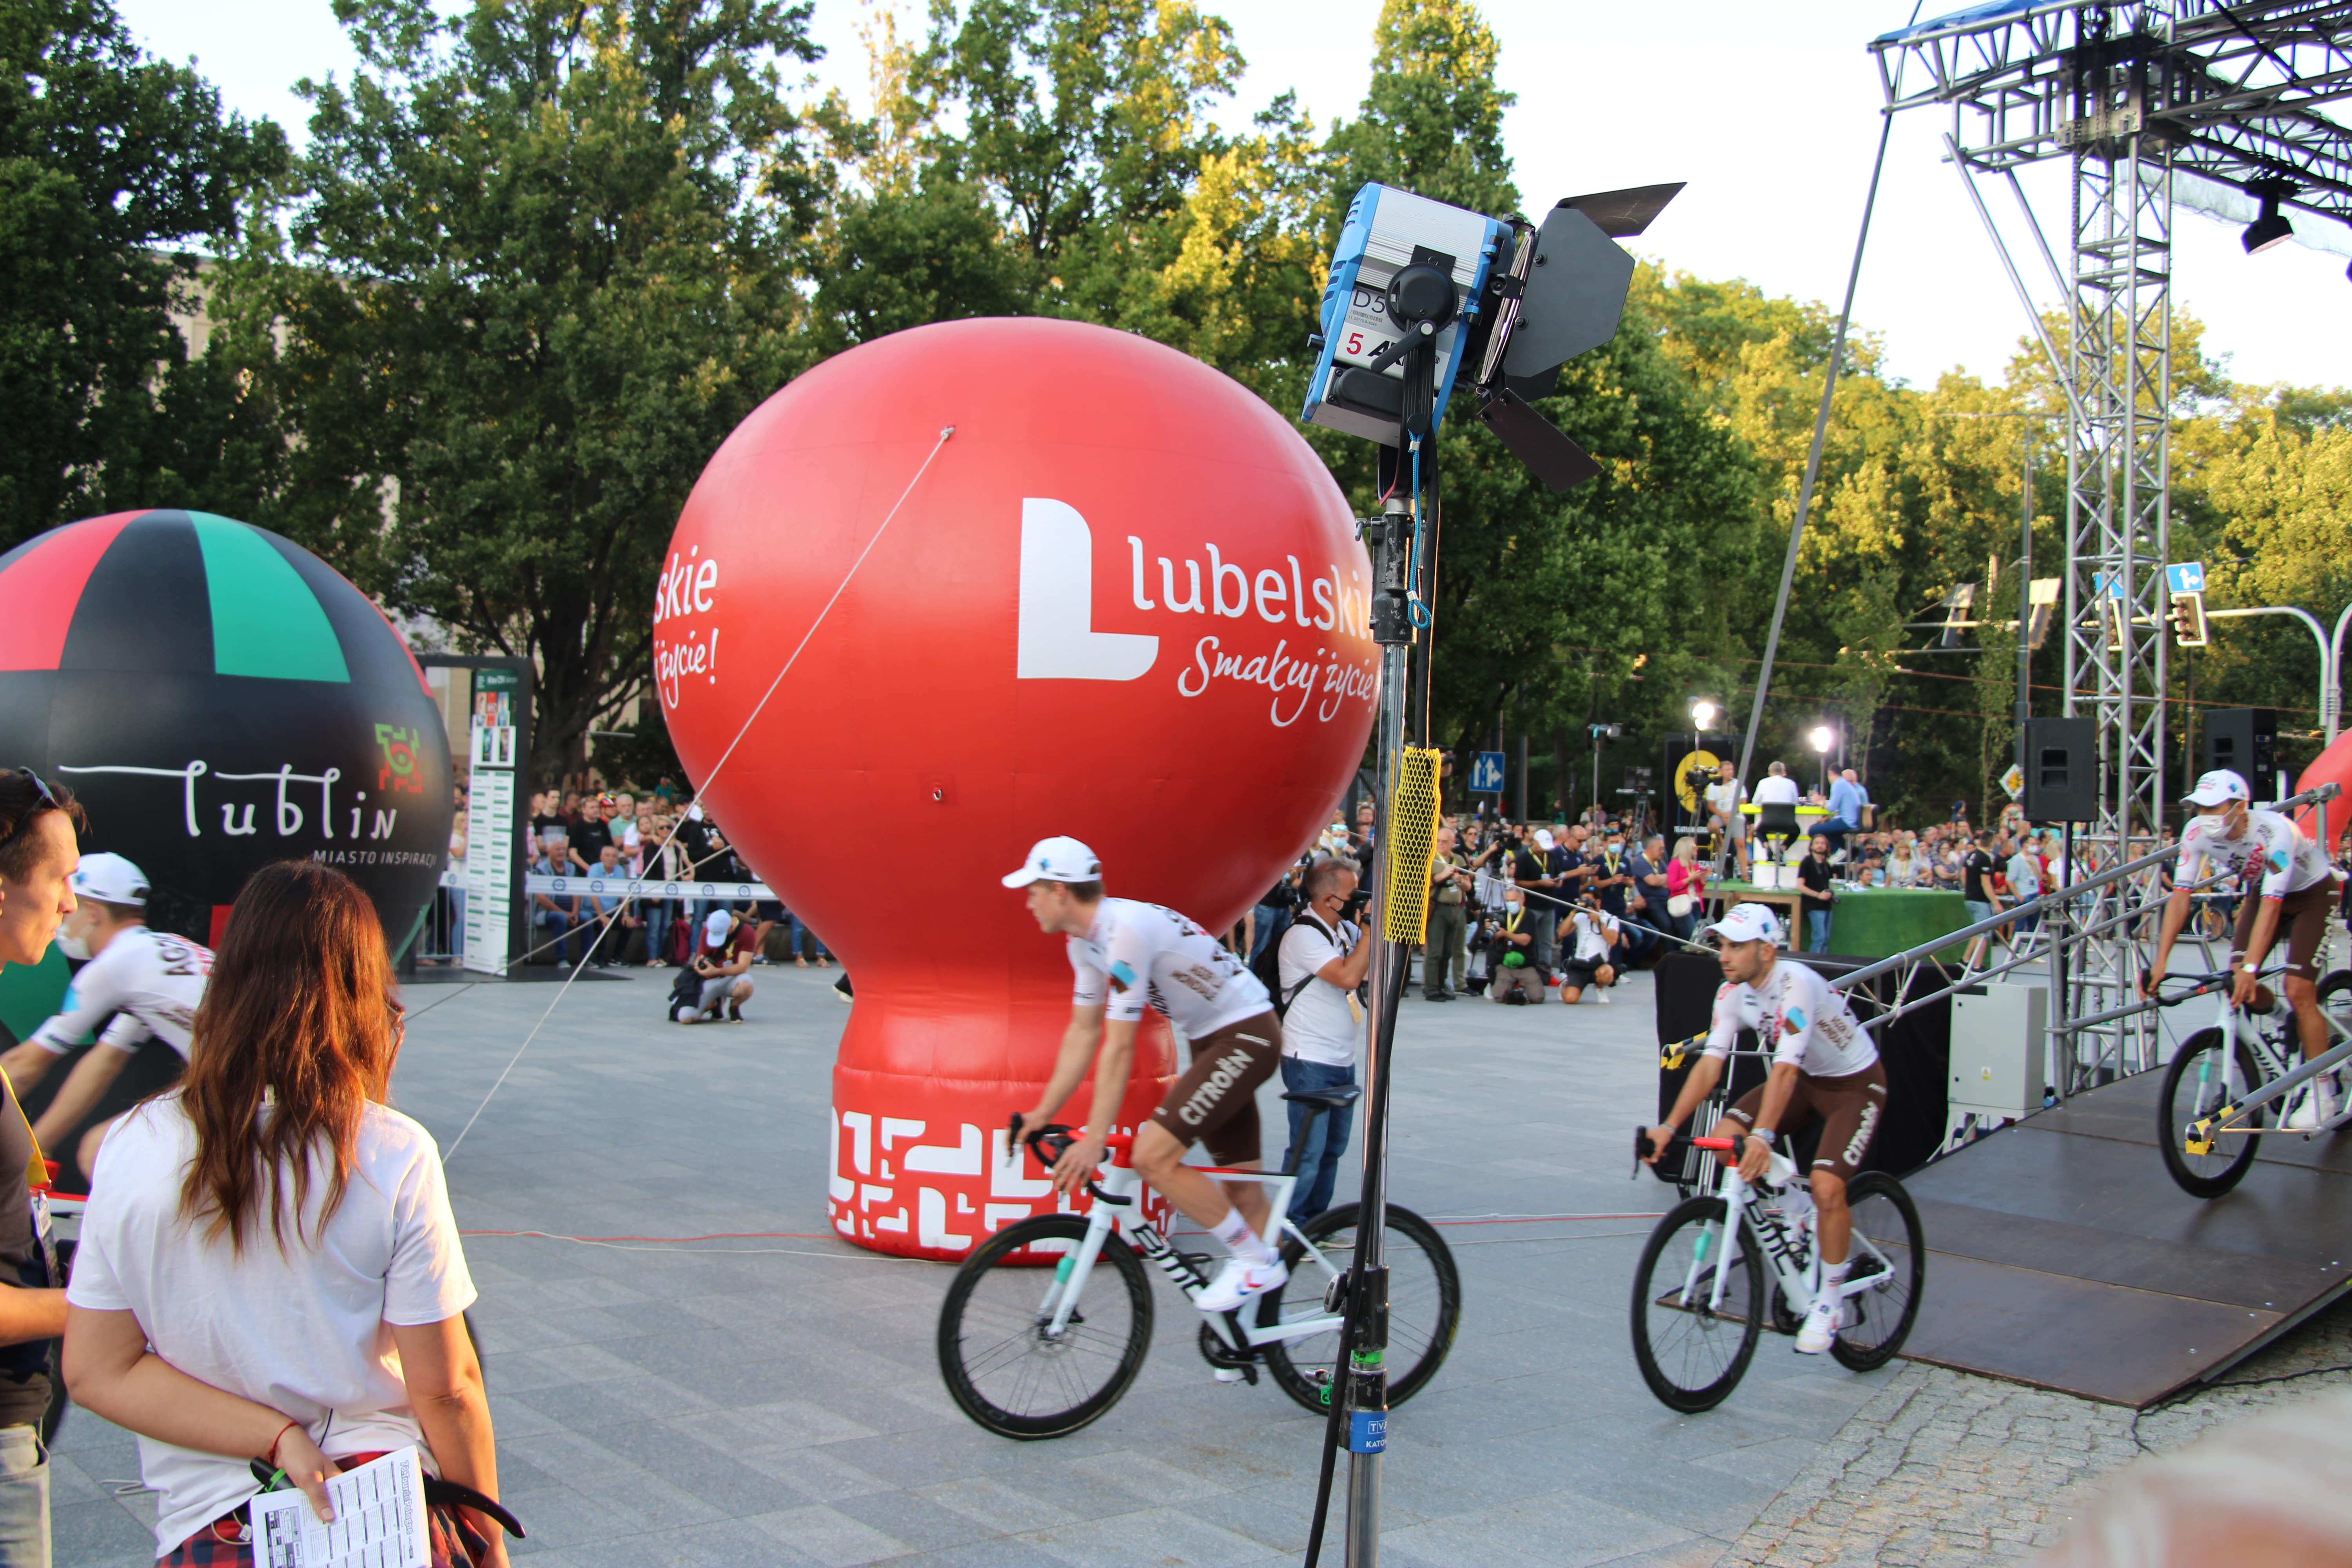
(1948, 1469)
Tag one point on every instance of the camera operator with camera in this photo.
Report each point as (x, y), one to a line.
(1724, 799)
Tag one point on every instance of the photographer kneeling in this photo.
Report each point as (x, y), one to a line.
(1595, 933)
(1514, 975)
(1323, 959)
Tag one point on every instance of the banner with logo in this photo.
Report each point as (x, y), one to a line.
(490, 820)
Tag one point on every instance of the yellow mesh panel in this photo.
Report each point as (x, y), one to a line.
(1411, 845)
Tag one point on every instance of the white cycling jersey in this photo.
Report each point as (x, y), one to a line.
(150, 981)
(1138, 954)
(2287, 861)
(1796, 1015)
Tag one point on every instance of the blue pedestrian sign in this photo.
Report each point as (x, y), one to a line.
(1487, 773)
(2189, 577)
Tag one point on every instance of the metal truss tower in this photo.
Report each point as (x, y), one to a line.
(2129, 94)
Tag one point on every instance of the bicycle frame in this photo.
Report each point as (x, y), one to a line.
(1796, 1266)
(2281, 1080)
(1118, 1186)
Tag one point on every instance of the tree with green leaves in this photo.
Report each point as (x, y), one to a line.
(541, 261)
(113, 167)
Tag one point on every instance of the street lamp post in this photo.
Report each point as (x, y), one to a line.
(1822, 739)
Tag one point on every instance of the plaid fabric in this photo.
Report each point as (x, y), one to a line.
(225, 1542)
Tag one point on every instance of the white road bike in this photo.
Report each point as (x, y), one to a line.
(2217, 1104)
(1046, 1324)
(1715, 1263)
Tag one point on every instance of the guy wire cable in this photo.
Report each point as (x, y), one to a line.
(704, 784)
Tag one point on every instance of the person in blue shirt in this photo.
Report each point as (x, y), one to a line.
(1849, 805)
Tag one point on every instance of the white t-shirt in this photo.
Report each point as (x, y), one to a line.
(1798, 1017)
(1321, 1026)
(1726, 798)
(1590, 948)
(150, 982)
(2288, 862)
(309, 1336)
(1139, 954)
(1777, 789)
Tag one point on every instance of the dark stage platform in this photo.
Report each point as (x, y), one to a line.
(2062, 1255)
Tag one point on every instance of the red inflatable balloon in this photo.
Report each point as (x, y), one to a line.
(2334, 766)
(1123, 601)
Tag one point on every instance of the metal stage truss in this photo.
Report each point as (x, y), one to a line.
(2136, 98)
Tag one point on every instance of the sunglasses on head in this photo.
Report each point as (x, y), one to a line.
(27, 819)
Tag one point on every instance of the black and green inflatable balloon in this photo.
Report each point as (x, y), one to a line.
(220, 697)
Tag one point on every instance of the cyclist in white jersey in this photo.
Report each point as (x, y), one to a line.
(1825, 1065)
(149, 982)
(1129, 956)
(2297, 885)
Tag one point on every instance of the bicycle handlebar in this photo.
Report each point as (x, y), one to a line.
(1049, 1143)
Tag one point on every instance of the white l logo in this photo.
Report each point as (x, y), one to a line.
(1058, 641)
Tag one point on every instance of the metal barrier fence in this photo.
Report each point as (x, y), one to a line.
(2061, 910)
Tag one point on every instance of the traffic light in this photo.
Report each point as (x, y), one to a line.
(2189, 620)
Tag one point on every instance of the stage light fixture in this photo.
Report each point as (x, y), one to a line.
(1703, 714)
(2270, 230)
(1423, 297)
(1823, 738)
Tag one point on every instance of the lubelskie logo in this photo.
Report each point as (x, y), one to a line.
(397, 772)
(1058, 641)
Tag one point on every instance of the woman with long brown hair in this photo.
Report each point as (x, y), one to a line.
(269, 1269)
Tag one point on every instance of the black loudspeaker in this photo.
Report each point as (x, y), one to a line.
(2061, 770)
(2244, 741)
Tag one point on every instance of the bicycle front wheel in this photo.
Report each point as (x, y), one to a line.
(2195, 1087)
(1424, 1304)
(1890, 1257)
(1005, 1365)
(1692, 1354)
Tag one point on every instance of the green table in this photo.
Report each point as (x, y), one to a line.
(1878, 923)
(1867, 922)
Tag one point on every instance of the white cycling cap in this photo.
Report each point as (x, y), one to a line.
(716, 928)
(1057, 861)
(1544, 839)
(111, 879)
(2219, 787)
(1748, 922)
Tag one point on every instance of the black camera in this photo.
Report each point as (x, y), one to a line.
(1356, 904)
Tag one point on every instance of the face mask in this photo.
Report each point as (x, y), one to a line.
(73, 947)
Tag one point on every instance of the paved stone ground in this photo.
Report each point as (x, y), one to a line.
(774, 1400)
(749, 1402)
(1945, 1470)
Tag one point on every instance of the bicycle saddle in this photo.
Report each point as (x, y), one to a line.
(1338, 1098)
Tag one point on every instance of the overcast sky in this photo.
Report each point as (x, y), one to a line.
(1768, 111)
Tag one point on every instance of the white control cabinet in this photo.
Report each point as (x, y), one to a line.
(1999, 1044)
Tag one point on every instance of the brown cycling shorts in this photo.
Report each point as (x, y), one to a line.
(2302, 925)
(1849, 1108)
(1215, 1102)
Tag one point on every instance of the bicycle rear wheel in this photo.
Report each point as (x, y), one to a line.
(1424, 1304)
(2195, 1087)
(1005, 1368)
(1691, 1356)
(1891, 1254)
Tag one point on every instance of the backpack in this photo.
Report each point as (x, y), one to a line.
(686, 991)
(1268, 967)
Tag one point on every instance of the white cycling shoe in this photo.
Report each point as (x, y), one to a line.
(2314, 1107)
(1819, 1330)
(1238, 1282)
